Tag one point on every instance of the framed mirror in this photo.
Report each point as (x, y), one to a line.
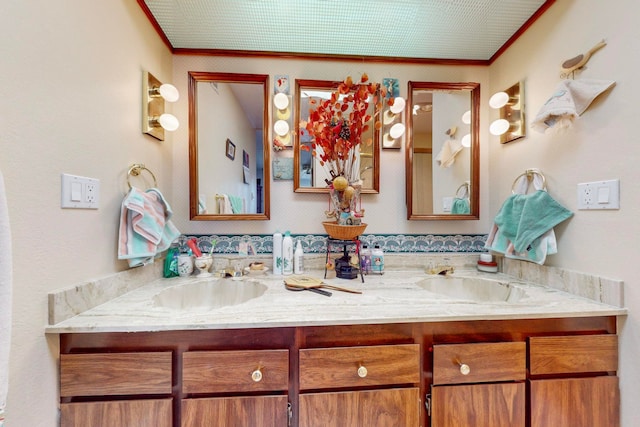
(229, 154)
(309, 175)
(442, 154)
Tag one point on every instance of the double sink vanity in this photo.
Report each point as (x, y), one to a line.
(413, 349)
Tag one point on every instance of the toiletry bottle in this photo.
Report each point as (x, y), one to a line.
(298, 261)
(277, 253)
(377, 260)
(287, 254)
(365, 259)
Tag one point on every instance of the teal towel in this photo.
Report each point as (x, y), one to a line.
(525, 217)
(460, 206)
(236, 204)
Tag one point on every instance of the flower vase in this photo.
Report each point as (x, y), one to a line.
(345, 205)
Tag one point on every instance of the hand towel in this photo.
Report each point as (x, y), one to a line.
(202, 204)
(542, 246)
(525, 217)
(448, 152)
(6, 285)
(570, 99)
(225, 208)
(237, 204)
(145, 226)
(460, 206)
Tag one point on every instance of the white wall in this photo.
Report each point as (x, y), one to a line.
(601, 145)
(303, 213)
(70, 101)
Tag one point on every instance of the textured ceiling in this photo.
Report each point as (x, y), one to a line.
(424, 29)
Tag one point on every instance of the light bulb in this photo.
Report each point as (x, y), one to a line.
(169, 122)
(169, 92)
(499, 100)
(398, 105)
(466, 141)
(281, 127)
(499, 127)
(281, 101)
(396, 130)
(466, 117)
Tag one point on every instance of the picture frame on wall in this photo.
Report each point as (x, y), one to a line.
(245, 159)
(231, 149)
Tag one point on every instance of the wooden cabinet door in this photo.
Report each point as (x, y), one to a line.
(479, 405)
(258, 411)
(374, 408)
(121, 413)
(575, 402)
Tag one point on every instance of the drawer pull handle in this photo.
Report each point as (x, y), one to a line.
(464, 369)
(362, 371)
(256, 375)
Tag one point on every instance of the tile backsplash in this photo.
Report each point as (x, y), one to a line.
(317, 243)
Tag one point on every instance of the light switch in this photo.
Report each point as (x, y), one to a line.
(599, 195)
(79, 192)
(603, 195)
(76, 192)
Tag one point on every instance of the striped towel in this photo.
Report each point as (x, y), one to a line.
(237, 204)
(145, 226)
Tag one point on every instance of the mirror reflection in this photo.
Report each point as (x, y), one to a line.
(442, 156)
(228, 146)
(309, 175)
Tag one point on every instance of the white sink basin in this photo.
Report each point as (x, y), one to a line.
(208, 294)
(473, 289)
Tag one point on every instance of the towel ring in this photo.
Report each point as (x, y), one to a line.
(135, 170)
(467, 191)
(529, 173)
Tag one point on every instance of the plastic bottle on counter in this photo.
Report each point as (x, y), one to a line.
(377, 260)
(298, 259)
(365, 259)
(277, 253)
(287, 254)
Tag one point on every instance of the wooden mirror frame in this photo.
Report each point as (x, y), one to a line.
(329, 86)
(199, 77)
(474, 200)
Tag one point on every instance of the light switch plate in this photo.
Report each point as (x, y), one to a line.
(599, 195)
(447, 203)
(79, 192)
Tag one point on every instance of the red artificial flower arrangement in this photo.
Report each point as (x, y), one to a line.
(337, 125)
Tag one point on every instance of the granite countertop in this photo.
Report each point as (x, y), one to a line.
(395, 297)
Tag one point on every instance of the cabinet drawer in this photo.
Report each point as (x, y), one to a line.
(481, 362)
(359, 366)
(573, 354)
(107, 374)
(122, 413)
(235, 371)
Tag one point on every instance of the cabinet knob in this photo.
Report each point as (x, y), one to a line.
(362, 371)
(256, 375)
(464, 369)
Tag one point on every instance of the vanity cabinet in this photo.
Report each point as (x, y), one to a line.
(136, 375)
(530, 372)
(265, 372)
(480, 384)
(331, 382)
(573, 381)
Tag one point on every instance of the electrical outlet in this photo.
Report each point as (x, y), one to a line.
(79, 192)
(599, 195)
